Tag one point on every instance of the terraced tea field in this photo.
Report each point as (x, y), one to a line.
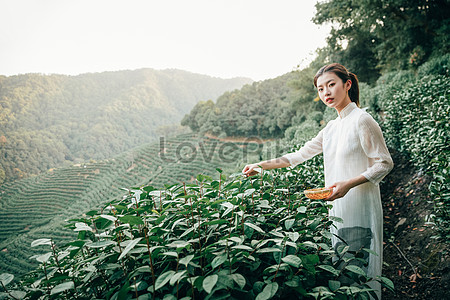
(36, 207)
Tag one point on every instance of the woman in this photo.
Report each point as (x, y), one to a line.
(356, 159)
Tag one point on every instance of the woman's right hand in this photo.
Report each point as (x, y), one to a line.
(251, 170)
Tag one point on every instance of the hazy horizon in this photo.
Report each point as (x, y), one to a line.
(254, 39)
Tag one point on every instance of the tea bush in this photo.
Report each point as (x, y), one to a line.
(417, 123)
(387, 85)
(436, 66)
(241, 238)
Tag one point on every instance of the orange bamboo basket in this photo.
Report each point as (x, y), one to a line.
(320, 193)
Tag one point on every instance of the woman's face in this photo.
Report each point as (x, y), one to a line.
(332, 91)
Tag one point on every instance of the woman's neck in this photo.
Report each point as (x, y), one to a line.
(344, 104)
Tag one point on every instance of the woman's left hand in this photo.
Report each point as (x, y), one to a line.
(340, 189)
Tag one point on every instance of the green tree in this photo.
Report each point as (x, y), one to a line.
(370, 36)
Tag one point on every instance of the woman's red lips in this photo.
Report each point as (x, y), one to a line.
(328, 99)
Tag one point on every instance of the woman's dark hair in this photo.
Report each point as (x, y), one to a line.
(344, 75)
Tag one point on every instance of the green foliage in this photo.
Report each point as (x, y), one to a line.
(263, 109)
(417, 122)
(37, 207)
(6, 292)
(437, 66)
(413, 109)
(2, 175)
(372, 36)
(48, 121)
(252, 238)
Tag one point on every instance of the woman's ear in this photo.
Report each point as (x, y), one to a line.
(348, 84)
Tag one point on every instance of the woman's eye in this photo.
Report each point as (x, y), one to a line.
(331, 84)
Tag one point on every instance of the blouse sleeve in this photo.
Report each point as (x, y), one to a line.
(374, 146)
(309, 150)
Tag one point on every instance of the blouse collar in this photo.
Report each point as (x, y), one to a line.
(347, 110)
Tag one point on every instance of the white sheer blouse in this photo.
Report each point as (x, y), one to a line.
(353, 145)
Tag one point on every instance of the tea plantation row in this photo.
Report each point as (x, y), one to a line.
(37, 207)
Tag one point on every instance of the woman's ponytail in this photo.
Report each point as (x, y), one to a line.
(353, 92)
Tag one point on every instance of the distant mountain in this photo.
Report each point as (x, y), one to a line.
(50, 120)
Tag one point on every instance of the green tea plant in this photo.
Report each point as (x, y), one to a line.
(417, 124)
(236, 238)
(37, 207)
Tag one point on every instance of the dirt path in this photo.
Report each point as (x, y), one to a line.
(416, 262)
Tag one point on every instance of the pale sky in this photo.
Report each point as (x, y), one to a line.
(259, 39)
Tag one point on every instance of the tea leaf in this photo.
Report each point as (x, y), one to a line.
(268, 250)
(310, 244)
(129, 247)
(239, 279)
(44, 257)
(170, 253)
(292, 260)
(82, 227)
(218, 260)
(186, 260)
(187, 232)
(268, 292)
(41, 242)
(17, 294)
(242, 247)
(293, 236)
(163, 279)
(143, 269)
(329, 269)
(387, 282)
(100, 244)
(235, 239)
(301, 209)
(62, 287)
(6, 278)
(249, 192)
(139, 286)
(342, 249)
(289, 223)
(178, 244)
(356, 269)
(108, 217)
(209, 282)
(177, 277)
(255, 227)
(334, 285)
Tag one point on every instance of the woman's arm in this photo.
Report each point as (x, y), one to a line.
(341, 188)
(310, 149)
(374, 147)
(276, 163)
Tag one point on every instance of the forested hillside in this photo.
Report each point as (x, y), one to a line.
(264, 109)
(49, 120)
